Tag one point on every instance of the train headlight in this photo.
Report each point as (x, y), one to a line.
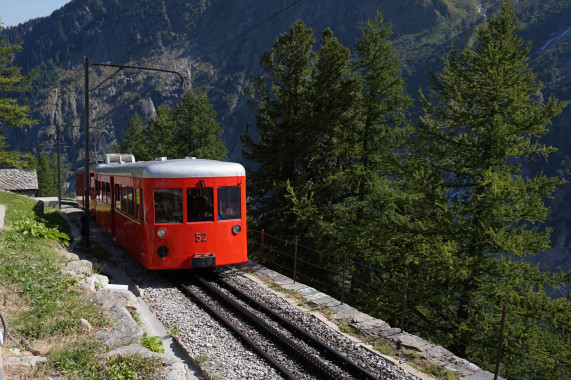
(236, 229)
(162, 233)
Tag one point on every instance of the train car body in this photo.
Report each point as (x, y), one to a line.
(172, 214)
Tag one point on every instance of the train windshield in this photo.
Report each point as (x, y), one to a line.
(229, 203)
(199, 204)
(168, 205)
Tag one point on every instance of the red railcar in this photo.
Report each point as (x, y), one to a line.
(172, 214)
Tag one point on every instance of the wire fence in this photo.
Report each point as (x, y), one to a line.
(402, 300)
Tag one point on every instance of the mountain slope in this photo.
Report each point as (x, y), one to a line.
(189, 36)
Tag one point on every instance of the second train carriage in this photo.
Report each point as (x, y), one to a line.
(172, 214)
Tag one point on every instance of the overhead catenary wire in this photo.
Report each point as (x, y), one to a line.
(223, 45)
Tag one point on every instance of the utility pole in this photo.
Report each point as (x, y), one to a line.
(87, 184)
(58, 168)
(39, 170)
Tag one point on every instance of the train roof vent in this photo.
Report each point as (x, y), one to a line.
(116, 158)
(190, 158)
(160, 159)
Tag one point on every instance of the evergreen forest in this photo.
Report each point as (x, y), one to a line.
(368, 197)
(422, 202)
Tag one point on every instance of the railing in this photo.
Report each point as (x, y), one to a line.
(395, 297)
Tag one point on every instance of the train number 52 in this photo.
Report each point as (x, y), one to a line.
(200, 236)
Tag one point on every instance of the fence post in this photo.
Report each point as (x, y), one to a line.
(501, 343)
(344, 276)
(295, 260)
(262, 250)
(405, 287)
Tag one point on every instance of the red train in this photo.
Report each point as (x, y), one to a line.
(171, 214)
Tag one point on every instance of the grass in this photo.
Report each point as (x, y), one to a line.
(41, 307)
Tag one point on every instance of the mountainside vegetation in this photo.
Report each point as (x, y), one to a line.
(444, 199)
(447, 185)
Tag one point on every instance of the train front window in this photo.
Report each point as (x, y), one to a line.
(199, 204)
(229, 203)
(168, 205)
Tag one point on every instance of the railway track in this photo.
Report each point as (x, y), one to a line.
(290, 349)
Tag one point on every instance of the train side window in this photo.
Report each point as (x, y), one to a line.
(228, 203)
(117, 197)
(131, 201)
(108, 192)
(123, 198)
(199, 204)
(137, 204)
(168, 205)
(141, 204)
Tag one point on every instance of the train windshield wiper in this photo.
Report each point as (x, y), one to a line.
(210, 203)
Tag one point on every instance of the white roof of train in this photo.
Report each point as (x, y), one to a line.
(178, 168)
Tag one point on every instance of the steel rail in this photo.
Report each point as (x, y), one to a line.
(259, 350)
(348, 365)
(301, 352)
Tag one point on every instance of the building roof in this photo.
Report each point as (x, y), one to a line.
(15, 179)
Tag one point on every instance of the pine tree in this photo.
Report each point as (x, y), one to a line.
(196, 132)
(136, 140)
(188, 129)
(280, 100)
(482, 122)
(47, 175)
(384, 103)
(323, 151)
(11, 113)
(160, 133)
(372, 216)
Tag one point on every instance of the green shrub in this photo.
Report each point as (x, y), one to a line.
(130, 367)
(32, 228)
(153, 343)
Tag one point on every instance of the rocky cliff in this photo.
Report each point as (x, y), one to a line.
(206, 41)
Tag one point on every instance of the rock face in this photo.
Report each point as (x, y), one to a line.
(183, 35)
(125, 330)
(124, 336)
(107, 298)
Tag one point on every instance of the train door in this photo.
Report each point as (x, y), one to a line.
(167, 237)
(79, 185)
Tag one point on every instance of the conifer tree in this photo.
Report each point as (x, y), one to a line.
(482, 122)
(324, 152)
(280, 99)
(11, 113)
(374, 215)
(47, 175)
(136, 140)
(384, 103)
(160, 130)
(195, 131)
(187, 129)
